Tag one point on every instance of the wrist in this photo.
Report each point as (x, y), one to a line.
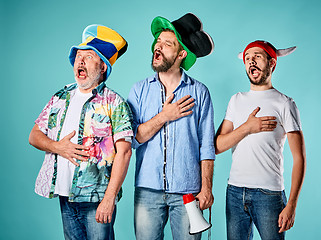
(54, 147)
(206, 188)
(110, 194)
(245, 129)
(292, 203)
(162, 118)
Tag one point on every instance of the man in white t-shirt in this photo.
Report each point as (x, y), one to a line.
(85, 130)
(256, 126)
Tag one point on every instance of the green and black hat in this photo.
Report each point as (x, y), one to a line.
(189, 32)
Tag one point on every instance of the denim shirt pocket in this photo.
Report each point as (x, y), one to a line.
(52, 119)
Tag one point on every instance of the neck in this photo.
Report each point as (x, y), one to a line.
(262, 87)
(170, 79)
(85, 90)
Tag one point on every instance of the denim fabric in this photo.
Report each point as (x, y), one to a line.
(152, 210)
(245, 206)
(79, 221)
(187, 140)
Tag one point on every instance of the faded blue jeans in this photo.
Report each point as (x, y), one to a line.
(79, 221)
(245, 206)
(152, 210)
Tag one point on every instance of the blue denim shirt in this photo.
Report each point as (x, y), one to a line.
(187, 140)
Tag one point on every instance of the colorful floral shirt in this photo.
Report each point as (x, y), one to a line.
(105, 118)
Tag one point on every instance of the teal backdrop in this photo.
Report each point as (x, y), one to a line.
(35, 40)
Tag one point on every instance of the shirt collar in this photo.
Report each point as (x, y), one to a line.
(184, 78)
(99, 89)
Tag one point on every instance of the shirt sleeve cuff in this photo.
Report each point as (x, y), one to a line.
(207, 153)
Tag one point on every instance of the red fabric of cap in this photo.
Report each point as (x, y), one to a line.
(266, 46)
(187, 198)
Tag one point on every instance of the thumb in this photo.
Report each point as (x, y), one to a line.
(256, 110)
(71, 135)
(169, 99)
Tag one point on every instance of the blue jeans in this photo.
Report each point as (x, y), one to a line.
(79, 221)
(152, 210)
(245, 206)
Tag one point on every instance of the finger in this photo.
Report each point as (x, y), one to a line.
(267, 125)
(184, 114)
(288, 225)
(283, 227)
(201, 205)
(82, 153)
(256, 110)
(80, 158)
(280, 221)
(187, 102)
(183, 99)
(169, 99)
(70, 135)
(273, 123)
(267, 129)
(78, 146)
(267, 118)
(110, 218)
(73, 161)
(101, 218)
(187, 107)
(292, 223)
(105, 218)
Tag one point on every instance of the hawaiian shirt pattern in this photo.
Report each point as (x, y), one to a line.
(105, 118)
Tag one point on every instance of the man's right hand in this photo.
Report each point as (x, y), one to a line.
(260, 124)
(172, 111)
(69, 150)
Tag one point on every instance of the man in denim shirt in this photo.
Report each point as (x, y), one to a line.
(86, 132)
(173, 122)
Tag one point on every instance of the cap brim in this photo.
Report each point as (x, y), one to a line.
(73, 52)
(158, 25)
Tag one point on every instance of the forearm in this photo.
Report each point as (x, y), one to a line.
(297, 146)
(225, 141)
(147, 130)
(298, 173)
(40, 140)
(205, 196)
(207, 167)
(118, 173)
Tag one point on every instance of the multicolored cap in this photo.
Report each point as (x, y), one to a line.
(268, 48)
(107, 43)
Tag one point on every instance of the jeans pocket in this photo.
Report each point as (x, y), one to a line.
(270, 192)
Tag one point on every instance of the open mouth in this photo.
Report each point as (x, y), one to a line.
(254, 71)
(81, 72)
(157, 55)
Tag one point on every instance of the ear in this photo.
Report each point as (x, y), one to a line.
(104, 68)
(272, 63)
(182, 54)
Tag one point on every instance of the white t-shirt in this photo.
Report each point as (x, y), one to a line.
(65, 169)
(258, 158)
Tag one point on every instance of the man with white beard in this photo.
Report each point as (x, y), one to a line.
(86, 132)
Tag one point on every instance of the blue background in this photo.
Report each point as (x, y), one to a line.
(36, 37)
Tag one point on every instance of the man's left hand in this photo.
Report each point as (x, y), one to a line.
(286, 218)
(105, 211)
(205, 198)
